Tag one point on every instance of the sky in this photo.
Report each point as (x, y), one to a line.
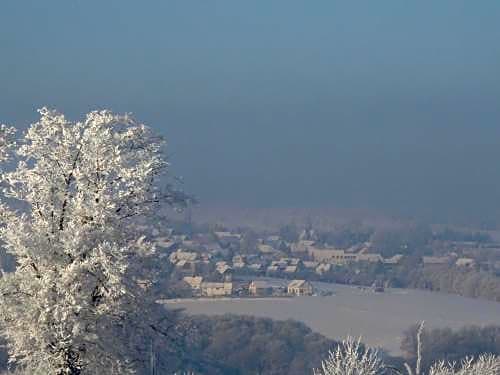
(385, 105)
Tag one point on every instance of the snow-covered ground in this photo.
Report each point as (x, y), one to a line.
(380, 318)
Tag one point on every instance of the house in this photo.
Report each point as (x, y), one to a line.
(369, 257)
(194, 282)
(260, 288)
(465, 262)
(216, 289)
(179, 255)
(290, 269)
(300, 288)
(396, 259)
(334, 256)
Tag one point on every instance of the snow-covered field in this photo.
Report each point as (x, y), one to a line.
(380, 318)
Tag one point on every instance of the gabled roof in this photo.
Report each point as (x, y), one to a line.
(465, 262)
(223, 269)
(226, 286)
(181, 263)
(258, 284)
(255, 266)
(194, 281)
(394, 259)
(370, 257)
(309, 264)
(298, 283)
(183, 255)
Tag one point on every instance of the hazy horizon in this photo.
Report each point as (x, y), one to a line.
(391, 107)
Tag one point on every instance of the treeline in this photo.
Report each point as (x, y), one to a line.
(468, 283)
(236, 345)
(411, 274)
(243, 345)
(451, 345)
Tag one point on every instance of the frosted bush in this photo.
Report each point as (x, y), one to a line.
(351, 358)
(485, 365)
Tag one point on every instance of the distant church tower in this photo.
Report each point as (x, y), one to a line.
(308, 234)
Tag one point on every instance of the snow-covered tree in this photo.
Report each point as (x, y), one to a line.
(78, 301)
(351, 358)
(485, 365)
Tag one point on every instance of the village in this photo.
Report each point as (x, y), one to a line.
(229, 264)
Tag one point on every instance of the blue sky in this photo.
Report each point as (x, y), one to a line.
(387, 105)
